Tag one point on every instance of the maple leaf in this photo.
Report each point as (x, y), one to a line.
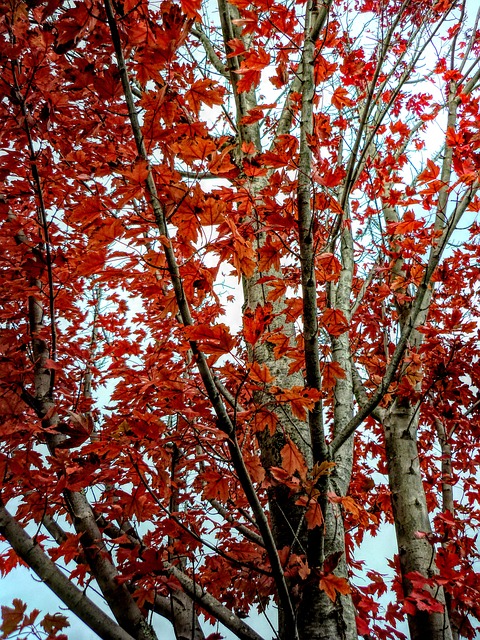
(284, 478)
(260, 373)
(269, 256)
(256, 113)
(265, 419)
(191, 8)
(406, 225)
(281, 342)
(332, 584)
(54, 622)
(324, 69)
(322, 469)
(340, 98)
(216, 486)
(12, 617)
(332, 372)
(204, 91)
(251, 69)
(334, 322)
(215, 340)
(293, 459)
(299, 399)
(255, 323)
(278, 289)
(431, 172)
(135, 183)
(454, 138)
(423, 601)
(331, 562)
(313, 510)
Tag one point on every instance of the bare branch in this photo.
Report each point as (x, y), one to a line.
(210, 51)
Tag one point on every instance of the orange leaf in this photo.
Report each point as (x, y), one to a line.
(293, 459)
(328, 268)
(265, 419)
(300, 399)
(340, 98)
(215, 340)
(281, 342)
(333, 584)
(254, 323)
(332, 372)
(334, 322)
(191, 7)
(261, 373)
(314, 515)
(278, 289)
(269, 256)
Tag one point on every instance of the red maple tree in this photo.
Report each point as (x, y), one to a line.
(325, 155)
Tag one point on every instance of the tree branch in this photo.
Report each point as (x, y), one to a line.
(410, 324)
(215, 608)
(73, 598)
(210, 51)
(224, 422)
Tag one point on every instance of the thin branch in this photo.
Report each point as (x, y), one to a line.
(245, 531)
(210, 51)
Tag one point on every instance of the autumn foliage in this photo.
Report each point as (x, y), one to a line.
(239, 332)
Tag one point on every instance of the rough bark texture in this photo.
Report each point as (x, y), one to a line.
(411, 516)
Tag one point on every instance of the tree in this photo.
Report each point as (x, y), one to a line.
(327, 156)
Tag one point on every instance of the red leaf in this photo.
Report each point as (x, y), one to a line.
(334, 322)
(328, 268)
(406, 225)
(255, 323)
(293, 459)
(212, 339)
(250, 69)
(323, 69)
(204, 91)
(333, 584)
(332, 372)
(340, 98)
(429, 173)
(216, 486)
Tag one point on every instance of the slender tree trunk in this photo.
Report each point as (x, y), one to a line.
(411, 517)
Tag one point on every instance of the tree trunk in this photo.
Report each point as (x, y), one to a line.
(411, 517)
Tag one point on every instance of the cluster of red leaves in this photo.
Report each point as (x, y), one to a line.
(115, 311)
